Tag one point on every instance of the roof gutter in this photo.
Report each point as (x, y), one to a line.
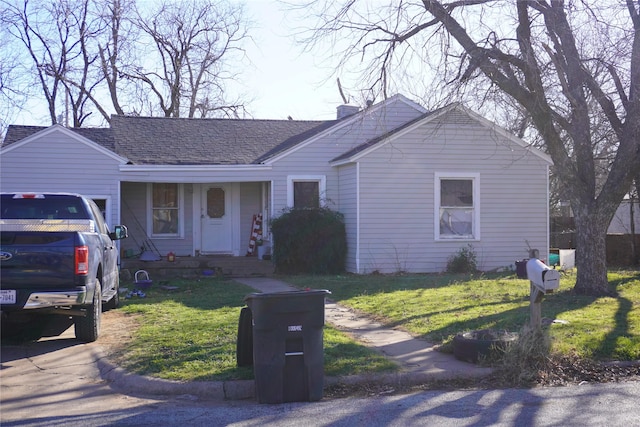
(194, 168)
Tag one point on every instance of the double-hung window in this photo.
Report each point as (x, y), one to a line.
(457, 206)
(305, 192)
(166, 209)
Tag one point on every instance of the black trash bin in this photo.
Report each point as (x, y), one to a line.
(244, 344)
(521, 269)
(288, 357)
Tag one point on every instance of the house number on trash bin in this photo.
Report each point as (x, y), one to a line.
(295, 328)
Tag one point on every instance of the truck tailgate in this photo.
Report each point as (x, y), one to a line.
(36, 259)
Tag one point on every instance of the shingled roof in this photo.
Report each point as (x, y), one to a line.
(181, 141)
(101, 136)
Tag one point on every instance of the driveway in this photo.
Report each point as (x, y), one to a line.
(58, 377)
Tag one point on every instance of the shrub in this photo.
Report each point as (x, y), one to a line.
(311, 241)
(526, 359)
(464, 261)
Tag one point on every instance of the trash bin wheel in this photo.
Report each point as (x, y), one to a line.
(244, 345)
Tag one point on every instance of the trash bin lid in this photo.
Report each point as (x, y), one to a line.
(286, 294)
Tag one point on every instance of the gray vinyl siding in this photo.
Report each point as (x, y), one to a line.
(397, 198)
(57, 163)
(348, 206)
(314, 158)
(134, 215)
(621, 222)
(386, 194)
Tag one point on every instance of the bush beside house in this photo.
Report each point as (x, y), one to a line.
(311, 241)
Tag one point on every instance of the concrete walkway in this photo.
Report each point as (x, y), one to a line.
(418, 360)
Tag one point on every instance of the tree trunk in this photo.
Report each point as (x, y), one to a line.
(591, 254)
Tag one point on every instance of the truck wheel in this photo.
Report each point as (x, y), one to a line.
(88, 328)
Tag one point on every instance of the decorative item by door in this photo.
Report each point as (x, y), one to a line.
(256, 234)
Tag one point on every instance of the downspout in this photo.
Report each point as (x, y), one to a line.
(271, 209)
(118, 212)
(267, 202)
(548, 219)
(358, 218)
(634, 249)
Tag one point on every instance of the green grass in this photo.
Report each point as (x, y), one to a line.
(190, 334)
(437, 307)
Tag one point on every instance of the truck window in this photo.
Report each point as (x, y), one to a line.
(51, 207)
(100, 223)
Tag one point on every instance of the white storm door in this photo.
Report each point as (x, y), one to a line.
(217, 219)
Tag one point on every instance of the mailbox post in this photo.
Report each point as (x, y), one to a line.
(543, 280)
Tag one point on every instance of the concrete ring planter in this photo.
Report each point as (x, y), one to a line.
(474, 345)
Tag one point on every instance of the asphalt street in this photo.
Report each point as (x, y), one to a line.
(56, 382)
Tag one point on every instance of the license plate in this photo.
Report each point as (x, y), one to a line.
(7, 296)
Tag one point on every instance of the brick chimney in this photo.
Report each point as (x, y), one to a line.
(347, 110)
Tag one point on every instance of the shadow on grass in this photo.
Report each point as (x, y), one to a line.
(352, 359)
(553, 307)
(195, 362)
(203, 294)
(345, 287)
(619, 343)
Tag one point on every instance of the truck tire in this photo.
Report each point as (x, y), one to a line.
(88, 328)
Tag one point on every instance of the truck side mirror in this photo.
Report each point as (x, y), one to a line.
(542, 277)
(119, 232)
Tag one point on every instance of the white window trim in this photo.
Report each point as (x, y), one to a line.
(181, 215)
(475, 178)
(322, 187)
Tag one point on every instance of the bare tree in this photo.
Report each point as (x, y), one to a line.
(192, 43)
(115, 47)
(56, 37)
(24, 23)
(573, 67)
(171, 61)
(78, 77)
(12, 96)
(634, 201)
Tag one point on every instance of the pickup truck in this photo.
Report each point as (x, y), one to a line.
(57, 257)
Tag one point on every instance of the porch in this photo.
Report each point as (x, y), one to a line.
(198, 266)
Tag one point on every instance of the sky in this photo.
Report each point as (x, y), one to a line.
(286, 82)
(279, 81)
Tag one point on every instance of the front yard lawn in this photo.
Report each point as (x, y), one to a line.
(437, 307)
(190, 333)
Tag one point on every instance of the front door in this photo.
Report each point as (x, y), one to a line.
(217, 219)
